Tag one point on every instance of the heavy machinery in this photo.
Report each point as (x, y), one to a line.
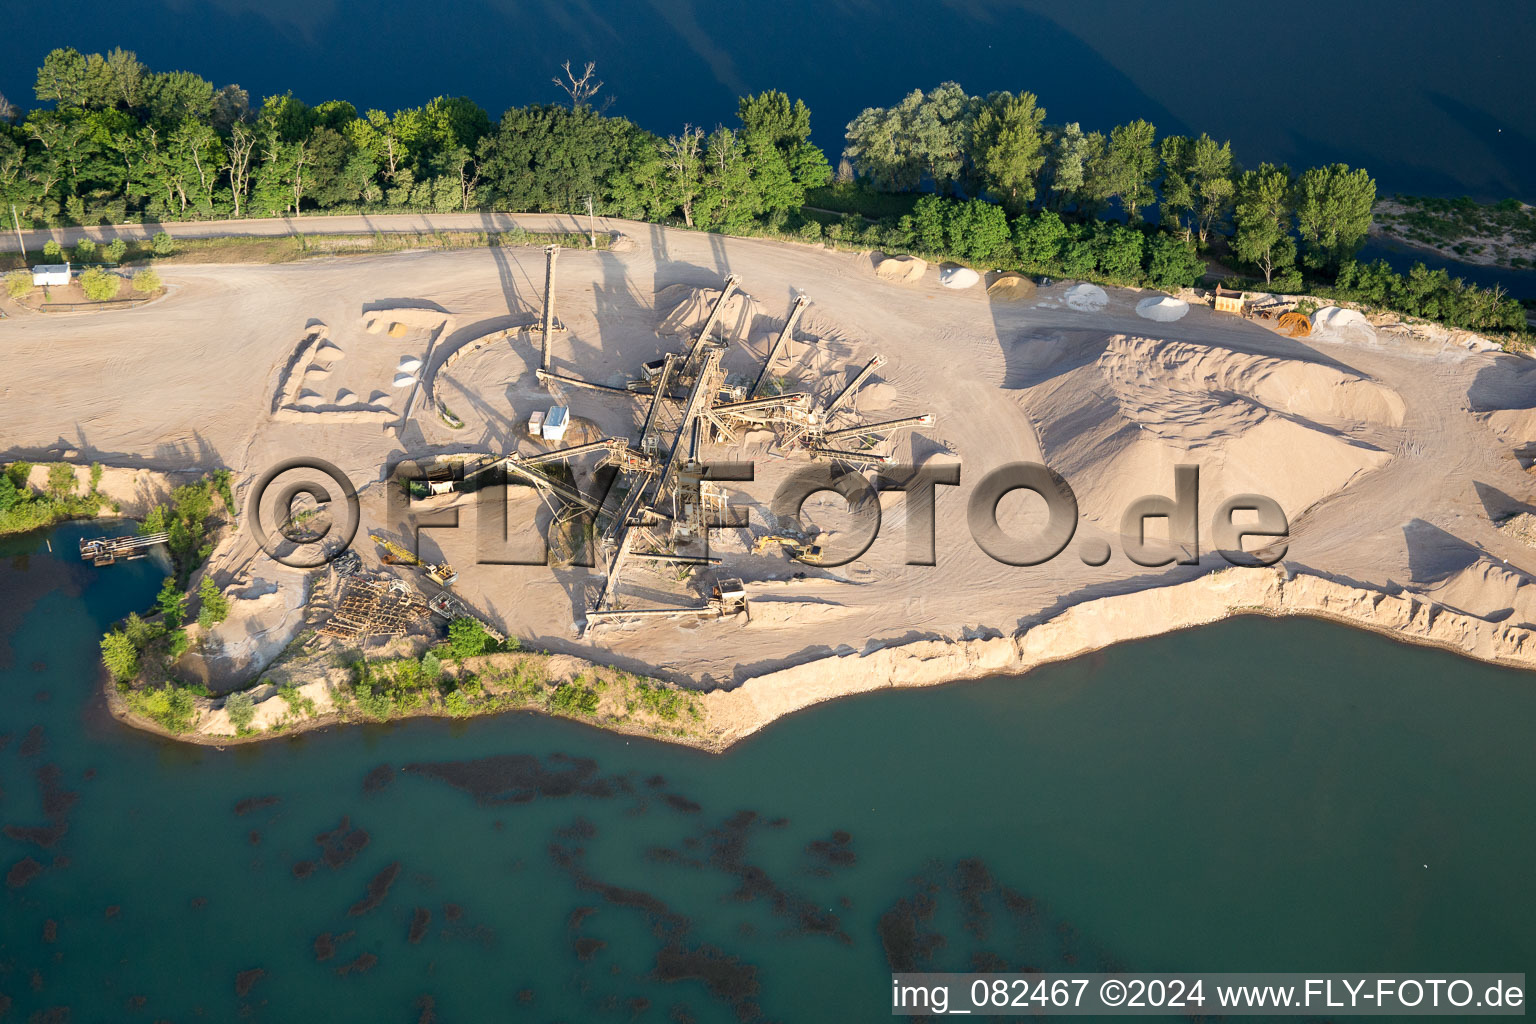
(442, 573)
(804, 551)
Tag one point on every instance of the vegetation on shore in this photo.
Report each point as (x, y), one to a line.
(1011, 188)
(1502, 233)
(468, 674)
(503, 677)
(23, 509)
(140, 653)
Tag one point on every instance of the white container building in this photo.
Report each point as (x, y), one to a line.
(556, 422)
(50, 275)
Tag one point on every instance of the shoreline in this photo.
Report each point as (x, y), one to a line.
(733, 715)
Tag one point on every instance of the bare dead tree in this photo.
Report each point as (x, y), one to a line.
(682, 158)
(7, 109)
(242, 140)
(580, 90)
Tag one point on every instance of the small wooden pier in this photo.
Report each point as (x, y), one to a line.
(107, 550)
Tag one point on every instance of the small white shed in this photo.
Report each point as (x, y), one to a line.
(555, 423)
(50, 275)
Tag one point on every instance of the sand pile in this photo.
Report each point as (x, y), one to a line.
(687, 307)
(1492, 591)
(1337, 324)
(1010, 287)
(1086, 298)
(1117, 427)
(901, 268)
(1162, 308)
(952, 275)
(403, 319)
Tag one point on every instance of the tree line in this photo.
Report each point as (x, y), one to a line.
(1001, 182)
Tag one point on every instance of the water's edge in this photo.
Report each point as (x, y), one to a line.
(735, 714)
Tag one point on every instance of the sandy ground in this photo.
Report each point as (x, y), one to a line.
(1392, 458)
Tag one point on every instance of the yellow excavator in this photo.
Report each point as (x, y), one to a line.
(808, 552)
(442, 574)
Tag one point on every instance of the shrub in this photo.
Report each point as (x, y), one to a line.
(574, 699)
(431, 669)
(241, 709)
(171, 706)
(18, 283)
(85, 251)
(1173, 263)
(161, 244)
(96, 471)
(146, 281)
(140, 633)
(300, 705)
(119, 655)
(53, 251)
(221, 478)
(116, 250)
(98, 285)
(467, 638)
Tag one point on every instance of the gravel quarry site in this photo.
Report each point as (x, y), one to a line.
(1394, 459)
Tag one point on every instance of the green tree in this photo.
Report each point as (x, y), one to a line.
(1007, 147)
(1197, 183)
(769, 118)
(146, 281)
(729, 196)
(116, 250)
(85, 251)
(172, 603)
(120, 656)
(548, 158)
(53, 252)
(1333, 212)
(1040, 241)
(215, 606)
(924, 136)
(99, 285)
(161, 244)
(1118, 251)
(62, 78)
(1263, 220)
(1173, 263)
(1126, 167)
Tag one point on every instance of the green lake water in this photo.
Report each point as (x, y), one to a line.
(1257, 795)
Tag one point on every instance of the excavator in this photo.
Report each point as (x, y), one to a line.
(808, 552)
(442, 574)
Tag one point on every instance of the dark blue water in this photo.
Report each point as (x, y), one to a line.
(1260, 795)
(1521, 284)
(1432, 99)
